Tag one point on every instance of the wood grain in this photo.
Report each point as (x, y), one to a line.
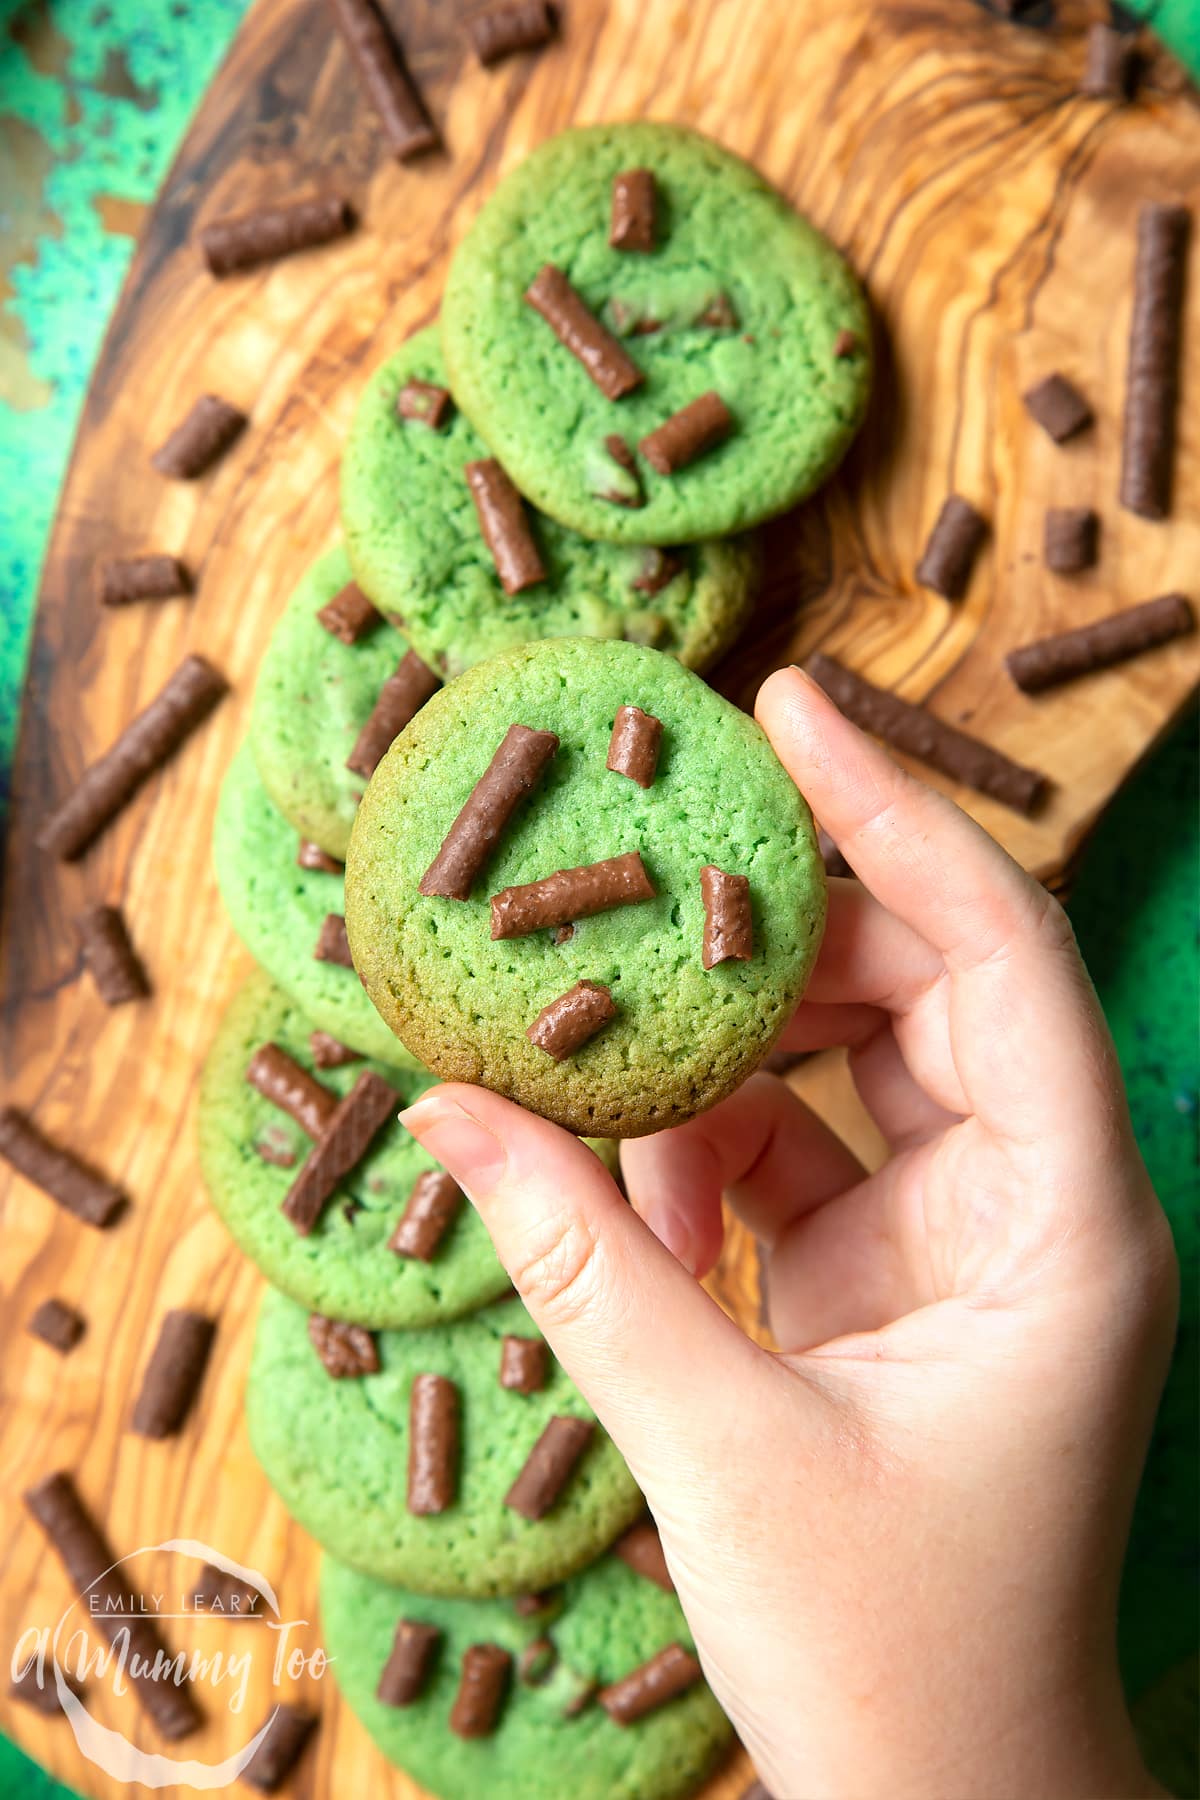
(991, 211)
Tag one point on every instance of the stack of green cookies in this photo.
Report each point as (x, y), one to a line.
(497, 491)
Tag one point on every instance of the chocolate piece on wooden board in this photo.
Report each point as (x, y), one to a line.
(918, 733)
(1152, 369)
(269, 232)
(111, 959)
(57, 1324)
(349, 616)
(950, 551)
(173, 1374)
(328, 1053)
(126, 579)
(280, 1079)
(359, 1119)
(482, 1685)
(687, 434)
(1052, 660)
(579, 330)
(571, 894)
(424, 403)
(211, 426)
(524, 1362)
(433, 1410)
(225, 1595)
(332, 945)
(567, 1023)
(345, 1350)
(728, 919)
(504, 526)
(641, 1548)
(549, 1466)
(288, 1731)
(513, 772)
(401, 698)
(101, 1585)
(634, 745)
(37, 1687)
(431, 1208)
(410, 1664)
(384, 78)
(1111, 65)
(645, 1689)
(634, 211)
(1058, 407)
(1071, 534)
(511, 26)
(59, 1173)
(142, 748)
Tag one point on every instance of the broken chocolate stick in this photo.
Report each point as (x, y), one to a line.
(108, 1603)
(1071, 534)
(111, 959)
(201, 439)
(127, 579)
(1058, 407)
(634, 208)
(641, 1548)
(564, 1026)
(328, 1053)
(633, 747)
(513, 25)
(513, 772)
(349, 616)
(1111, 65)
(432, 1445)
(345, 1350)
(920, 734)
(431, 1209)
(580, 331)
(142, 748)
(549, 1466)
(1052, 660)
(1152, 371)
(311, 856)
(728, 921)
(333, 946)
(280, 1079)
(949, 554)
(287, 1732)
(77, 1188)
(384, 78)
(359, 1119)
(230, 245)
(571, 894)
(401, 698)
(687, 434)
(505, 528)
(57, 1324)
(644, 1690)
(523, 1364)
(423, 403)
(173, 1374)
(482, 1685)
(407, 1670)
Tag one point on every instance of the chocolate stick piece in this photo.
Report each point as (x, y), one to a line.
(359, 1119)
(226, 1595)
(332, 944)
(327, 1053)
(1070, 538)
(728, 923)
(229, 245)
(641, 1548)
(173, 1374)
(634, 207)
(288, 1731)
(1058, 407)
(633, 747)
(1111, 61)
(666, 1675)
(580, 331)
(349, 616)
(511, 26)
(549, 1466)
(88, 1559)
(280, 1079)
(945, 564)
(401, 697)
(144, 746)
(432, 1444)
(501, 514)
(523, 1364)
(566, 1024)
(513, 771)
(129, 578)
(346, 1350)
(408, 1668)
(311, 856)
(918, 733)
(1152, 372)
(200, 439)
(36, 1686)
(57, 1324)
(481, 1689)
(113, 962)
(430, 1211)
(570, 894)
(1053, 660)
(687, 434)
(423, 403)
(57, 1172)
(384, 78)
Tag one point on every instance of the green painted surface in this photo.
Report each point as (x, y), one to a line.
(93, 99)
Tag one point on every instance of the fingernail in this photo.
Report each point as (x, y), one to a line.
(672, 1230)
(471, 1153)
(810, 679)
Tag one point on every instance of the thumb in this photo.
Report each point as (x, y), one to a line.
(636, 1333)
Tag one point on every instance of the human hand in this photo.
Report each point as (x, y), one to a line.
(898, 1542)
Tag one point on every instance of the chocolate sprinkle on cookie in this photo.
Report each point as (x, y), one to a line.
(433, 1410)
(401, 697)
(845, 344)
(549, 1466)
(634, 209)
(200, 439)
(112, 961)
(130, 578)
(728, 925)
(311, 856)
(349, 615)
(1058, 407)
(634, 495)
(687, 434)
(665, 1676)
(633, 749)
(1071, 536)
(430, 1211)
(57, 1172)
(580, 331)
(328, 1053)
(571, 894)
(279, 1078)
(1053, 660)
(523, 1364)
(481, 1689)
(408, 1668)
(566, 1024)
(511, 26)
(229, 245)
(949, 554)
(384, 78)
(359, 1119)
(332, 944)
(173, 1374)
(57, 1324)
(424, 403)
(346, 1350)
(288, 1731)
(1152, 371)
(505, 528)
(659, 568)
(513, 771)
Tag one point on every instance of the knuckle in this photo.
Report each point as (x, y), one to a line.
(557, 1269)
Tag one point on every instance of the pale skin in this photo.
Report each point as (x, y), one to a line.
(898, 1541)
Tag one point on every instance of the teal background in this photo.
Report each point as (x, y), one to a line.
(94, 99)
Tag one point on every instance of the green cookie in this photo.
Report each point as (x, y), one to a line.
(344, 1269)
(336, 1453)
(313, 696)
(277, 909)
(416, 548)
(742, 297)
(684, 1036)
(606, 1623)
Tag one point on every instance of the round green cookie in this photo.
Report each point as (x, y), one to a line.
(344, 1268)
(277, 909)
(415, 545)
(729, 249)
(313, 696)
(336, 1453)
(684, 1036)
(606, 1623)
